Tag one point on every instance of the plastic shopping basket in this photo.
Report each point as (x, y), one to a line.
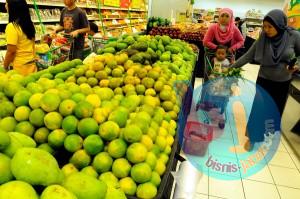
(197, 137)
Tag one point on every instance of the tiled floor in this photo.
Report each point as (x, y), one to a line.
(279, 179)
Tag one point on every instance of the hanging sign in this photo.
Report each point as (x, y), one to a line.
(113, 3)
(124, 3)
(136, 4)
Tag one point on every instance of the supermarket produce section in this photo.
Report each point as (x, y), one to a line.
(106, 127)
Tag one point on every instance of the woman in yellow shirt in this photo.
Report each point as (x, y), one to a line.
(20, 36)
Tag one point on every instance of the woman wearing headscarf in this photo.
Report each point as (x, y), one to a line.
(224, 33)
(278, 52)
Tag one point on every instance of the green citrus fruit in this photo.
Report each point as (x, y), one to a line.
(68, 169)
(128, 186)
(109, 130)
(35, 100)
(25, 127)
(80, 159)
(22, 113)
(4, 139)
(141, 173)
(121, 168)
(87, 126)
(155, 179)
(41, 135)
(53, 120)
(56, 138)
(36, 117)
(102, 162)
(50, 102)
(93, 144)
(146, 190)
(22, 98)
(69, 124)
(73, 143)
(83, 110)
(117, 148)
(132, 133)
(66, 107)
(132, 154)
(109, 179)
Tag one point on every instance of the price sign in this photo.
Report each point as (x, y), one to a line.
(136, 4)
(114, 3)
(124, 3)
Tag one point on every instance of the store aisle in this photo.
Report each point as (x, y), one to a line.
(280, 178)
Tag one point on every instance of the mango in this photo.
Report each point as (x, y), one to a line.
(36, 167)
(57, 192)
(85, 186)
(17, 190)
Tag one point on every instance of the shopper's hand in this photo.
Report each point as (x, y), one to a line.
(293, 69)
(53, 34)
(230, 50)
(74, 34)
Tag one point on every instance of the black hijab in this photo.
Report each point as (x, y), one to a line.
(269, 51)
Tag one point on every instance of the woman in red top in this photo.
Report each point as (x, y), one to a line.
(224, 33)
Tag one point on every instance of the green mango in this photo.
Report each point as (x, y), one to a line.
(18, 141)
(85, 186)
(36, 167)
(109, 50)
(17, 189)
(57, 192)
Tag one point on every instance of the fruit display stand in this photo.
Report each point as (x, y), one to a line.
(186, 31)
(124, 98)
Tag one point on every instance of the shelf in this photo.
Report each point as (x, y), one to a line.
(55, 4)
(46, 21)
(121, 26)
(254, 18)
(118, 18)
(36, 21)
(253, 24)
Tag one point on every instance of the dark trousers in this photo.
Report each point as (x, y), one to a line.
(269, 95)
(76, 50)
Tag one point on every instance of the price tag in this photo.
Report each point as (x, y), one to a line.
(109, 34)
(141, 20)
(134, 30)
(115, 22)
(127, 21)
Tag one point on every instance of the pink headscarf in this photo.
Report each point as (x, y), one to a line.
(221, 36)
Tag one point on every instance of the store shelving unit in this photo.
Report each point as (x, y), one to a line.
(113, 18)
(253, 19)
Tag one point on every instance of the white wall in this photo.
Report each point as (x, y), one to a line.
(168, 8)
(240, 7)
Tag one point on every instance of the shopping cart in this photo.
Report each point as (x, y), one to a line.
(215, 93)
(60, 51)
(100, 42)
(208, 66)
